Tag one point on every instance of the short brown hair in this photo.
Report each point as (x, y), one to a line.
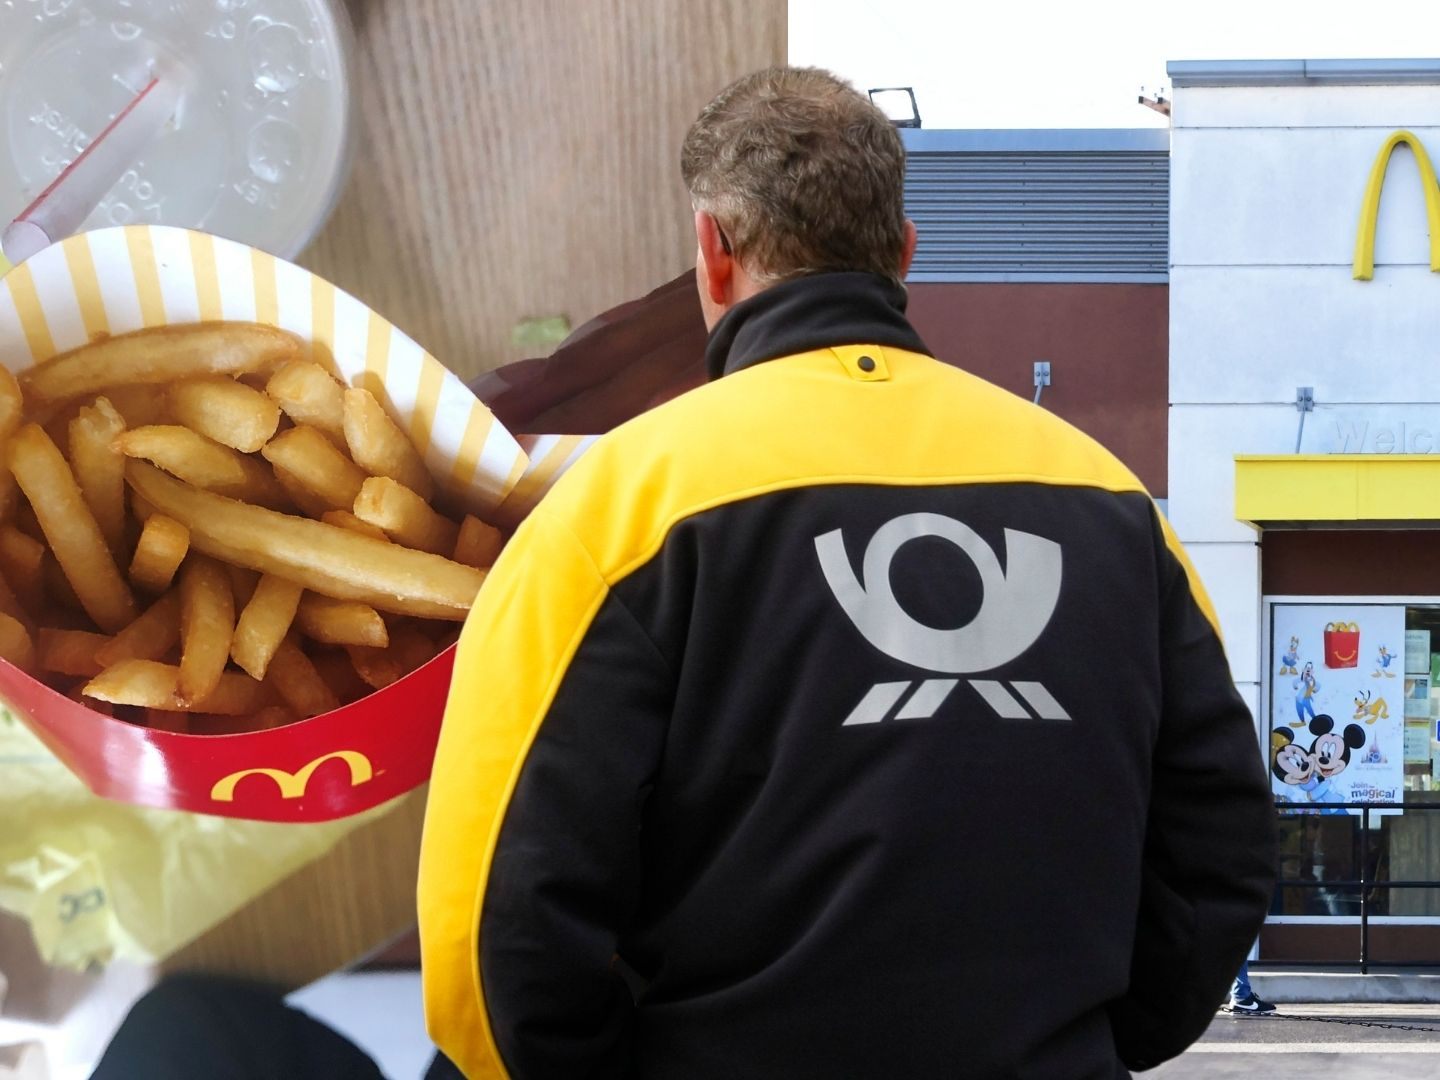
(802, 173)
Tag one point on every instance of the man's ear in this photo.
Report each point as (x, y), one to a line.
(907, 253)
(716, 265)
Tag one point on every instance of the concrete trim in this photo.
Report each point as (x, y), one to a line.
(1036, 140)
(931, 277)
(1387, 72)
(1312, 987)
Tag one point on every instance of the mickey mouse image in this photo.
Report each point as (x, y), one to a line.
(1312, 770)
(1291, 763)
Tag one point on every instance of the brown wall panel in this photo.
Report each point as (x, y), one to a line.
(1108, 346)
(1321, 943)
(1360, 562)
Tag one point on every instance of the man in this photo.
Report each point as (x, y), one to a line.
(866, 718)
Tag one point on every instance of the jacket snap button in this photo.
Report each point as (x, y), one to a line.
(865, 364)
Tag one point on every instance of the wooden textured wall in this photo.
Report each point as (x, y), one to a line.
(518, 158)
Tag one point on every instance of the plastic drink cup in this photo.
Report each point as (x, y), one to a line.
(259, 141)
(62, 208)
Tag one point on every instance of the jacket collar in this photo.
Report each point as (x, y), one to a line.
(808, 313)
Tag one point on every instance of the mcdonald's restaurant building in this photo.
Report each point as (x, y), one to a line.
(1246, 309)
(1304, 466)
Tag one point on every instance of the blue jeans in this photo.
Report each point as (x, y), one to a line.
(1240, 988)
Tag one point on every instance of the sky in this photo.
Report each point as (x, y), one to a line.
(1049, 64)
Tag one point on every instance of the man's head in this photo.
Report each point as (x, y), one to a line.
(792, 172)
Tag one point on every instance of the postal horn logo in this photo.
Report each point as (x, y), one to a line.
(292, 785)
(1364, 265)
(1017, 605)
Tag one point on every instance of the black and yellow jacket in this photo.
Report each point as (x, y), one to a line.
(869, 715)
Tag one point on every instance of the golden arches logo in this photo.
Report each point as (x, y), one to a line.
(1364, 266)
(292, 785)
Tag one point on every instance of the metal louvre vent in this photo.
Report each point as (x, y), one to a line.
(1039, 214)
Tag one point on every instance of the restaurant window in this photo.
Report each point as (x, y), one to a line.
(1352, 717)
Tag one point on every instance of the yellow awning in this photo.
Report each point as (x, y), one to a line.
(1312, 488)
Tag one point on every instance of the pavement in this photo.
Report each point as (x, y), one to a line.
(1334, 1041)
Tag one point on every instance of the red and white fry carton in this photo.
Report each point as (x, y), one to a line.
(113, 281)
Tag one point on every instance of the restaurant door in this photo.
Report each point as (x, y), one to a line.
(1350, 714)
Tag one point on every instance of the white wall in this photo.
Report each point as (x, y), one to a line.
(1266, 187)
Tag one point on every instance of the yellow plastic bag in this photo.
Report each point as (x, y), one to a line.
(97, 880)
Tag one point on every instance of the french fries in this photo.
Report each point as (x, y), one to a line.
(139, 405)
(8, 492)
(310, 395)
(339, 674)
(70, 527)
(478, 544)
(275, 524)
(207, 623)
(405, 516)
(264, 623)
(22, 560)
(9, 602)
(202, 462)
(157, 686)
(149, 637)
(158, 554)
(293, 676)
(377, 667)
(99, 471)
(341, 622)
(27, 522)
(379, 446)
(227, 411)
(69, 652)
(272, 716)
(57, 588)
(312, 461)
(321, 557)
(309, 504)
(159, 355)
(346, 520)
(242, 583)
(15, 644)
(12, 404)
(412, 647)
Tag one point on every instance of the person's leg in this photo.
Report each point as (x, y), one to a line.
(223, 1029)
(1242, 997)
(1240, 988)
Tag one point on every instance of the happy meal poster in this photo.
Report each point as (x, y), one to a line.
(1337, 704)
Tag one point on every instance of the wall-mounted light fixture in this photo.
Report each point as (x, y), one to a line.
(1042, 377)
(1159, 102)
(1304, 402)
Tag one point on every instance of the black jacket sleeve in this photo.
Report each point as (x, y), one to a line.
(1209, 861)
(530, 866)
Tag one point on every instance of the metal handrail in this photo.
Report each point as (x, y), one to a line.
(1365, 882)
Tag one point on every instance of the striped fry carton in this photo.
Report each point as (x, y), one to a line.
(113, 281)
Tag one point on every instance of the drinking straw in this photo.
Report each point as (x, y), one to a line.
(71, 197)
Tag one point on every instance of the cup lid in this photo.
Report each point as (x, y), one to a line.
(259, 145)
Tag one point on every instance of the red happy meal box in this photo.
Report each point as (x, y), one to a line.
(341, 762)
(1342, 645)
